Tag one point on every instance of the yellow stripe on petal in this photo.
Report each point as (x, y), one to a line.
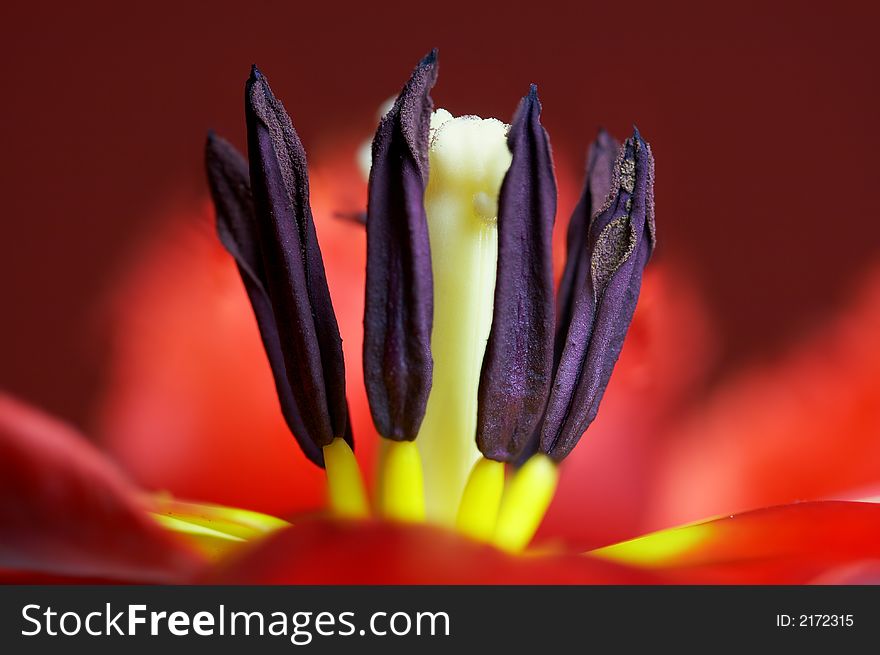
(658, 549)
(243, 523)
(213, 529)
(210, 542)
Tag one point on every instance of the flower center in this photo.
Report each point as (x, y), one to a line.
(463, 350)
(440, 476)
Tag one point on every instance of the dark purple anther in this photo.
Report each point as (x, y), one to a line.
(619, 243)
(597, 186)
(518, 363)
(293, 271)
(399, 307)
(236, 226)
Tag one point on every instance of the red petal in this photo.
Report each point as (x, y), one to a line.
(792, 544)
(65, 510)
(804, 429)
(333, 552)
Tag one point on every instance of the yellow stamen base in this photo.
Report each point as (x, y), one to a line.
(345, 487)
(401, 488)
(525, 502)
(478, 511)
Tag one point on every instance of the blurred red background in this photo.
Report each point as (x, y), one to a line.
(761, 119)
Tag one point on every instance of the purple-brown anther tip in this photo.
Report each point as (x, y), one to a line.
(604, 284)
(518, 363)
(399, 307)
(429, 59)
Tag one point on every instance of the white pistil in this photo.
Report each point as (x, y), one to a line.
(468, 160)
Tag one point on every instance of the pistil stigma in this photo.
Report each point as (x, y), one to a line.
(468, 160)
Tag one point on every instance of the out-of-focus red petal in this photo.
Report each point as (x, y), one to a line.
(64, 509)
(791, 544)
(333, 552)
(190, 406)
(606, 483)
(15, 577)
(865, 572)
(805, 428)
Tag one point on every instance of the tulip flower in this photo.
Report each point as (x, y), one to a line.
(474, 371)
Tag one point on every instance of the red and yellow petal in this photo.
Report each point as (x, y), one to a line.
(804, 428)
(324, 551)
(791, 544)
(67, 511)
(794, 544)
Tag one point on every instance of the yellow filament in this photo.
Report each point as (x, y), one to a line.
(478, 511)
(525, 502)
(401, 492)
(345, 487)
